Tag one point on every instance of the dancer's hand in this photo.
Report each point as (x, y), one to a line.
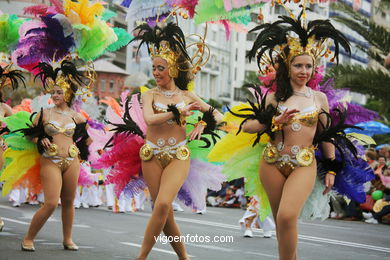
(329, 182)
(284, 117)
(45, 143)
(196, 132)
(187, 110)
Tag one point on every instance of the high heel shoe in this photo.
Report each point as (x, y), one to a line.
(71, 247)
(1, 224)
(28, 248)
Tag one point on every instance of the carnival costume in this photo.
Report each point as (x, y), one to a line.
(50, 46)
(169, 43)
(283, 40)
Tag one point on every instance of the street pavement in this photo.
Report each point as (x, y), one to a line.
(102, 234)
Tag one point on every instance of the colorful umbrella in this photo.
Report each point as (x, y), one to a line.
(371, 128)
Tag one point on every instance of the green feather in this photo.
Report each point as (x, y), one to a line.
(107, 14)
(9, 31)
(123, 39)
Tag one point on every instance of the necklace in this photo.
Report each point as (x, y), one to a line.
(168, 93)
(307, 93)
(65, 113)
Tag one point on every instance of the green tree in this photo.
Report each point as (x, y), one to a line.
(372, 81)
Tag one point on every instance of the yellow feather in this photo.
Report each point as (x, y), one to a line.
(361, 138)
(21, 162)
(82, 11)
(232, 143)
(143, 89)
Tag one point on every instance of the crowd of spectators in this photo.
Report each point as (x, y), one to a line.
(376, 209)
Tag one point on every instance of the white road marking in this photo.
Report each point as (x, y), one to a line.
(115, 232)
(154, 248)
(345, 243)
(303, 237)
(212, 247)
(5, 233)
(16, 221)
(325, 226)
(234, 227)
(260, 254)
(9, 207)
(60, 244)
(81, 226)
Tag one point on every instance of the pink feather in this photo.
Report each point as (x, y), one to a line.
(58, 5)
(228, 5)
(137, 114)
(27, 26)
(86, 177)
(113, 117)
(122, 170)
(385, 180)
(99, 140)
(124, 95)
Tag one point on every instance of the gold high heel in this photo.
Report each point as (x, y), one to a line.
(71, 247)
(28, 248)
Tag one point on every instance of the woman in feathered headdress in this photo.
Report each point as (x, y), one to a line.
(291, 116)
(45, 49)
(59, 132)
(61, 138)
(165, 155)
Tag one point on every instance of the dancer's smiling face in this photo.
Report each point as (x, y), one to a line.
(57, 95)
(301, 70)
(161, 71)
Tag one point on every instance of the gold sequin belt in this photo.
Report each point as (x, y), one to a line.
(164, 153)
(286, 163)
(73, 151)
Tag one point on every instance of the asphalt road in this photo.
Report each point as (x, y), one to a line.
(102, 234)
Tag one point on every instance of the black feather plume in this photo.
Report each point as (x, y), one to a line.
(258, 111)
(15, 76)
(129, 126)
(335, 133)
(170, 33)
(210, 128)
(68, 70)
(277, 33)
(36, 131)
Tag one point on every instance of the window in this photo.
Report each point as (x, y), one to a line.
(280, 10)
(111, 86)
(251, 37)
(214, 36)
(134, 52)
(103, 85)
(254, 17)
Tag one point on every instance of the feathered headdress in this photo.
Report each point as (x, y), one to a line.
(169, 43)
(290, 37)
(66, 31)
(66, 76)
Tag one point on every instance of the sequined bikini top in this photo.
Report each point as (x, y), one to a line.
(162, 108)
(54, 128)
(307, 117)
